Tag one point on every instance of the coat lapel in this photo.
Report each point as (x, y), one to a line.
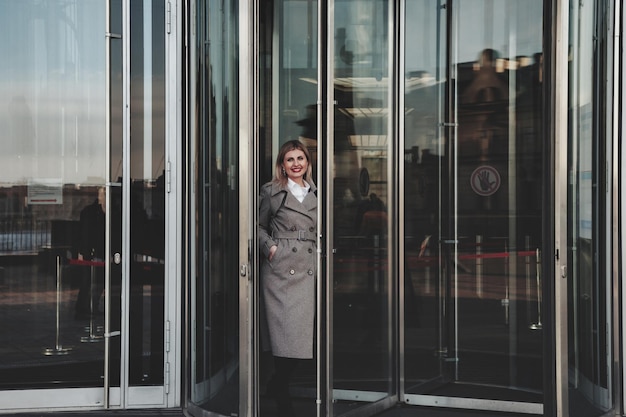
(310, 201)
(308, 204)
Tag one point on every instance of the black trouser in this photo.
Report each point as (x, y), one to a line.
(279, 385)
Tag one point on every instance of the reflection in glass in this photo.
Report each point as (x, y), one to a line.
(52, 79)
(52, 97)
(214, 222)
(473, 206)
(588, 280)
(361, 285)
(147, 193)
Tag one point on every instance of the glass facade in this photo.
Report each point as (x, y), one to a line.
(465, 162)
(83, 214)
(53, 174)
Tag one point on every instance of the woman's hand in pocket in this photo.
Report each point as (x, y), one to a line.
(272, 252)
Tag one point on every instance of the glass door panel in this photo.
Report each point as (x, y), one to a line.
(424, 164)
(116, 136)
(588, 232)
(498, 212)
(473, 206)
(144, 201)
(212, 215)
(56, 203)
(362, 359)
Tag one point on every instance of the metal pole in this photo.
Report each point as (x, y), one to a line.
(479, 266)
(527, 280)
(57, 349)
(107, 127)
(538, 325)
(92, 335)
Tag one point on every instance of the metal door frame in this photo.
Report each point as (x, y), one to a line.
(248, 258)
(559, 100)
(168, 394)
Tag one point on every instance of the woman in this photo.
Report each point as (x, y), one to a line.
(288, 240)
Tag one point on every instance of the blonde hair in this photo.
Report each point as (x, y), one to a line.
(279, 175)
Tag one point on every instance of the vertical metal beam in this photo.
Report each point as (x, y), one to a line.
(400, 200)
(174, 80)
(451, 318)
(125, 195)
(189, 137)
(107, 175)
(248, 139)
(322, 242)
(560, 83)
(395, 160)
(617, 190)
(327, 206)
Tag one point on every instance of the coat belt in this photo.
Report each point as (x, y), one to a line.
(295, 234)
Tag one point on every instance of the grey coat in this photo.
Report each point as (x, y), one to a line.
(288, 280)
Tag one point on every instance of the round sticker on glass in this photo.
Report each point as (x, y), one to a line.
(485, 180)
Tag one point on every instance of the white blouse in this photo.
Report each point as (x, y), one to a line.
(298, 191)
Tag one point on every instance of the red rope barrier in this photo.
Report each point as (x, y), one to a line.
(423, 260)
(82, 262)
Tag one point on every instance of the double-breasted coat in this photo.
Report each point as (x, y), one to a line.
(288, 280)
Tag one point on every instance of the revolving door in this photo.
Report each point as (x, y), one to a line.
(426, 127)
(430, 173)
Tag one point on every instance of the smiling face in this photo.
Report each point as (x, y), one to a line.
(295, 165)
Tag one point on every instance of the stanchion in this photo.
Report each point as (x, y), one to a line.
(93, 337)
(58, 348)
(538, 325)
(425, 251)
(376, 266)
(479, 266)
(528, 294)
(506, 302)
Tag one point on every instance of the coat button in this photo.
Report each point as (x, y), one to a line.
(293, 228)
(310, 272)
(310, 250)
(311, 229)
(294, 249)
(292, 272)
